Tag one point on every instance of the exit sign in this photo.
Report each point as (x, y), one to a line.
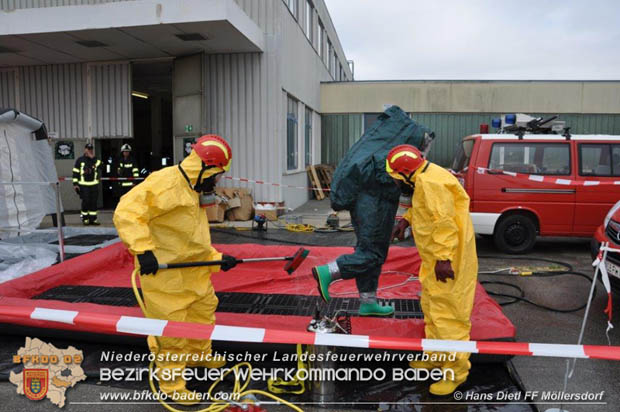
(189, 128)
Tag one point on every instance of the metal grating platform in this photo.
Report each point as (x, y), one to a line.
(250, 303)
(86, 240)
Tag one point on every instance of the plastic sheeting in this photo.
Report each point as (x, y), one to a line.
(29, 253)
(25, 156)
(48, 239)
(18, 260)
(112, 266)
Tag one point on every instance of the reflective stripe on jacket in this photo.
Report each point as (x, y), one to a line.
(86, 171)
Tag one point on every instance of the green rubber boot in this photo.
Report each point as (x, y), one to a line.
(323, 278)
(375, 309)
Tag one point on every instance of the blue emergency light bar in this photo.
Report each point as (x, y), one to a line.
(511, 118)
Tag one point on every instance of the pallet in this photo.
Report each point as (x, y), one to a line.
(315, 182)
(326, 173)
(321, 179)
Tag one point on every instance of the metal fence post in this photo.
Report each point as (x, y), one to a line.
(61, 239)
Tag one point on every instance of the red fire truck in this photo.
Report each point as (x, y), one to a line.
(524, 184)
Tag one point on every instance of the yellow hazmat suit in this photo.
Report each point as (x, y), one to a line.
(163, 215)
(442, 229)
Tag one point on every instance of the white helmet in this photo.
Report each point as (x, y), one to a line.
(125, 148)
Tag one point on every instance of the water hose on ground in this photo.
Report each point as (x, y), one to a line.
(512, 272)
(279, 385)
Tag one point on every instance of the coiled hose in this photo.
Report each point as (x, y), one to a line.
(240, 390)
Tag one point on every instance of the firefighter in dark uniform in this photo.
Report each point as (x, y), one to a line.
(127, 167)
(86, 174)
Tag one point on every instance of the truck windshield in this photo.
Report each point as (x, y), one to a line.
(461, 160)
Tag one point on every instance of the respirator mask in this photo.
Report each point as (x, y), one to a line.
(406, 192)
(204, 187)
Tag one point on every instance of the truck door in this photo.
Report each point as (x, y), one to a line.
(546, 191)
(598, 169)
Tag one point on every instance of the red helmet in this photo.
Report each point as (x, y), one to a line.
(403, 160)
(214, 151)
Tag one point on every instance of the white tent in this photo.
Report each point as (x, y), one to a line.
(26, 164)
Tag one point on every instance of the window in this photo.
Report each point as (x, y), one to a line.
(461, 160)
(309, 20)
(330, 55)
(292, 6)
(599, 160)
(531, 158)
(308, 137)
(320, 45)
(291, 134)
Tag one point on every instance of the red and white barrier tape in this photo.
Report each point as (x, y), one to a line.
(69, 179)
(260, 182)
(237, 179)
(547, 179)
(599, 263)
(105, 323)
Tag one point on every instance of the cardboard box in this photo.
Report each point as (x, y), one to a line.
(240, 204)
(245, 211)
(234, 203)
(217, 213)
(269, 210)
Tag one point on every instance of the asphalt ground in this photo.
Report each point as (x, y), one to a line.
(533, 325)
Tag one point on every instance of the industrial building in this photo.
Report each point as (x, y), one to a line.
(157, 74)
(269, 75)
(455, 109)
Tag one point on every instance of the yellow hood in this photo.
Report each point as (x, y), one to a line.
(192, 165)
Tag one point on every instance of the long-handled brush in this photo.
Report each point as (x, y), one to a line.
(293, 262)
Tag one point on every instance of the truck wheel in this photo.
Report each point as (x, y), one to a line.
(515, 234)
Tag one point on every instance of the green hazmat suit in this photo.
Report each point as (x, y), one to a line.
(163, 215)
(362, 186)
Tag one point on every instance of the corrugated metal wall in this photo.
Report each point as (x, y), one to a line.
(56, 94)
(33, 4)
(338, 133)
(8, 91)
(59, 95)
(450, 128)
(258, 11)
(110, 90)
(592, 123)
(242, 104)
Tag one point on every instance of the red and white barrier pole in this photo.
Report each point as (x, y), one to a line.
(104, 323)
